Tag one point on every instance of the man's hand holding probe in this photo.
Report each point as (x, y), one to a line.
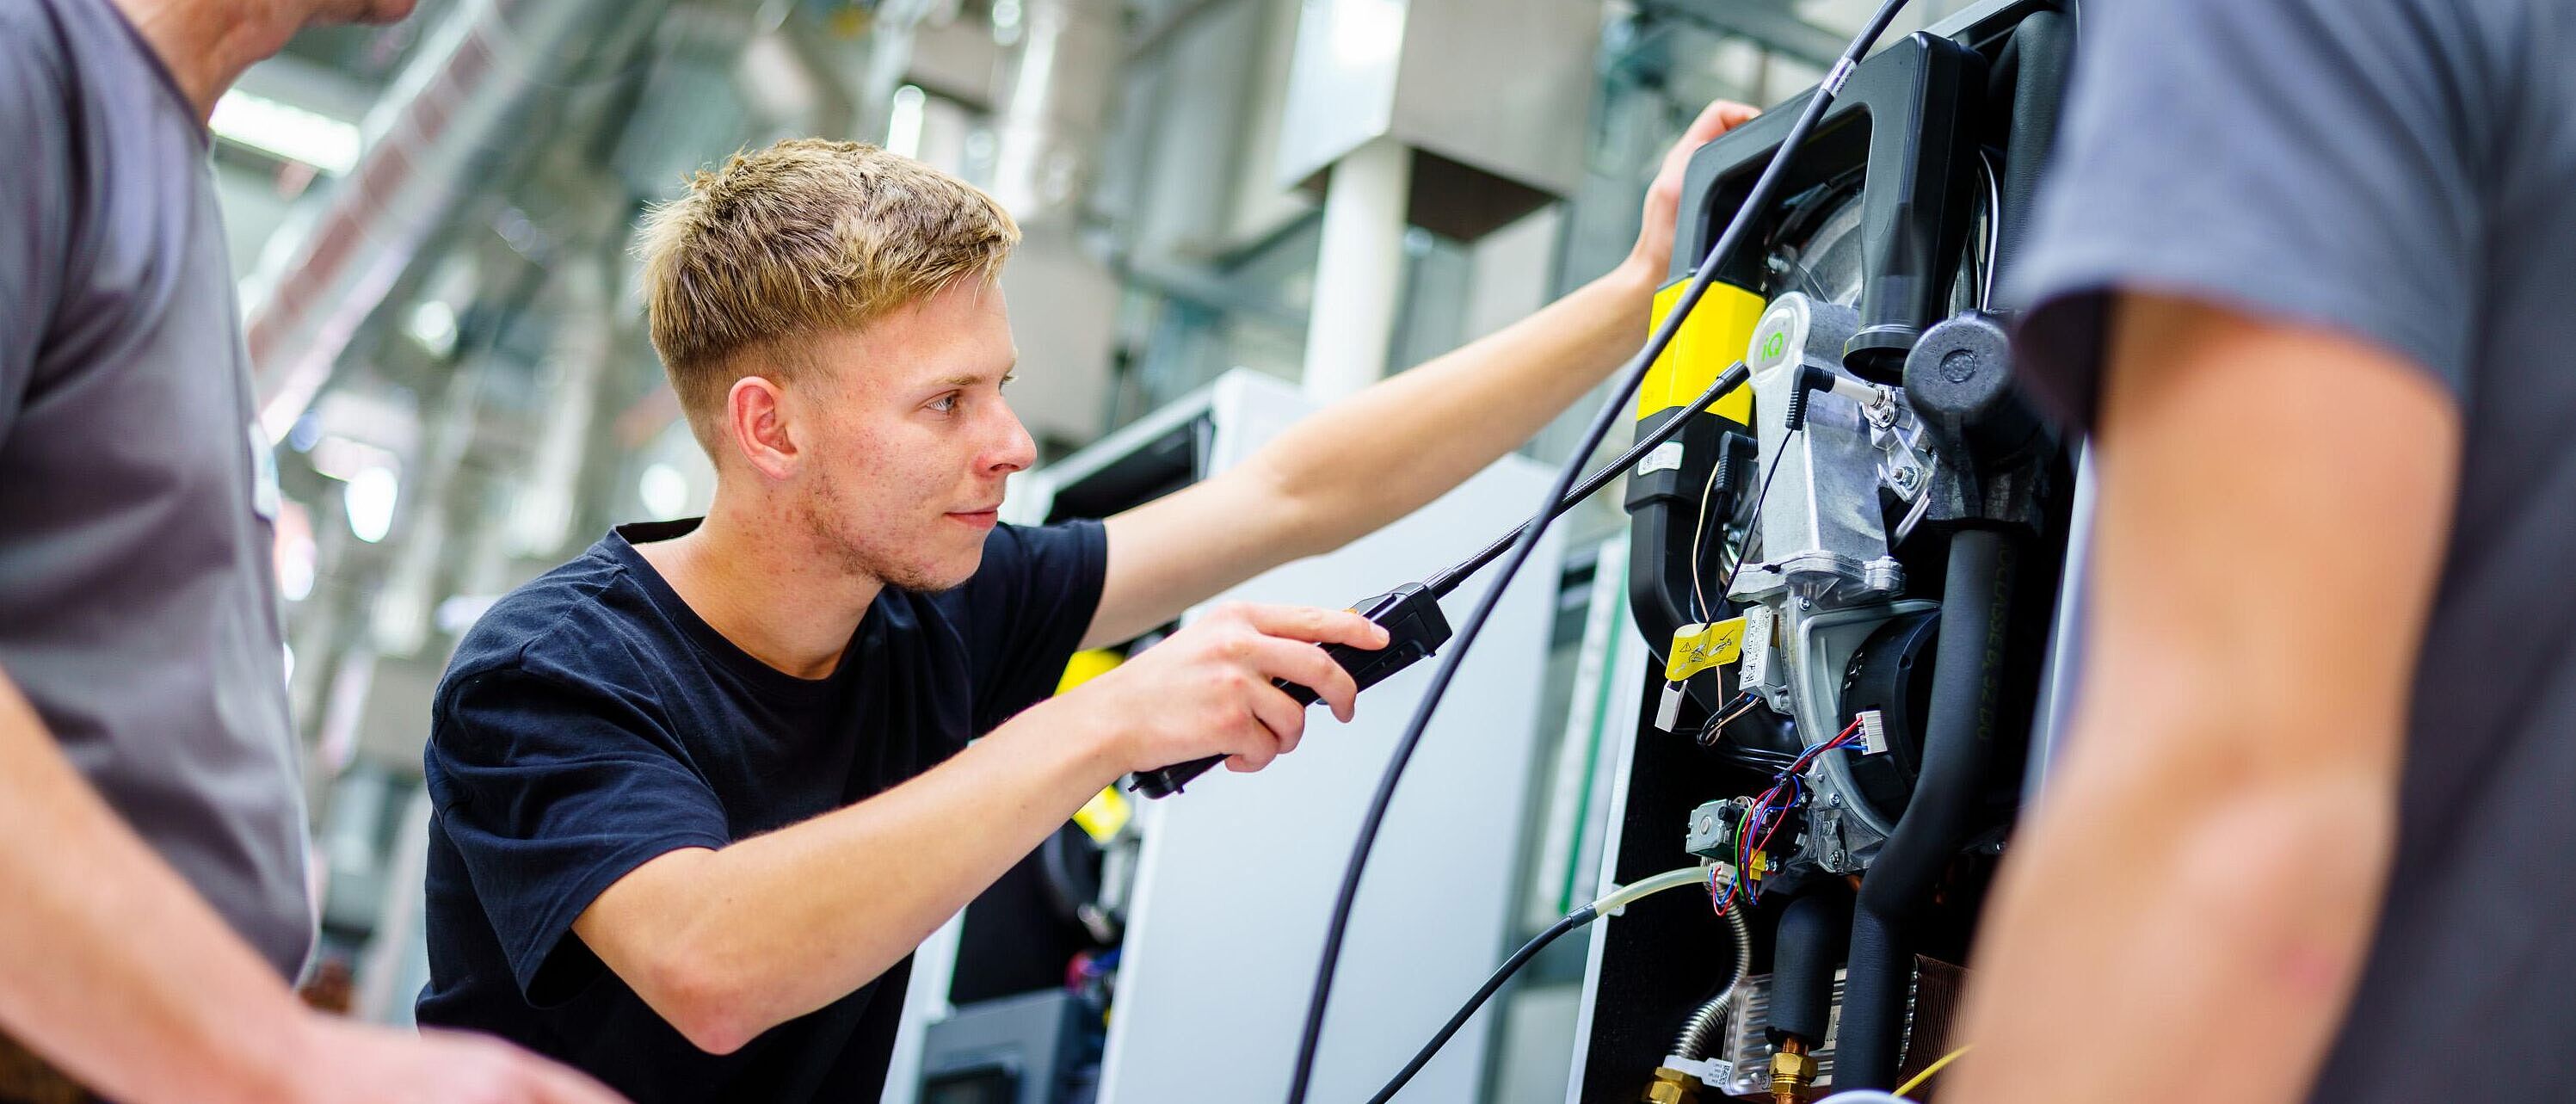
(1208, 690)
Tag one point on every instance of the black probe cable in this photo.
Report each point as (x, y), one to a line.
(1593, 911)
(1635, 372)
(1733, 377)
(1167, 781)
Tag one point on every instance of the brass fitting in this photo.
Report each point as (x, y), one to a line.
(1671, 1086)
(1792, 1070)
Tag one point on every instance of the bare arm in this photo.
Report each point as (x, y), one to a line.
(2212, 853)
(725, 944)
(1385, 452)
(118, 973)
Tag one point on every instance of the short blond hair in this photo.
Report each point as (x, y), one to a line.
(806, 235)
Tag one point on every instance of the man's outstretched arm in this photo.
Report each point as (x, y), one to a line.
(2203, 874)
(727, 943)
(117, 972)
(1388, 450)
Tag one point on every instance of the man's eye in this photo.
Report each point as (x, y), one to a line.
(944, 403)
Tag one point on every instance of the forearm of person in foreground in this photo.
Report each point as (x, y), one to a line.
(2203, 872)
(122, 977)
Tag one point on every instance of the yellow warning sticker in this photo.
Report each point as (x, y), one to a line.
(1103, 815)
(1697, 648)
(1086, 666)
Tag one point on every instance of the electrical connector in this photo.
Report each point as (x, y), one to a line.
(1873, 732)
(1877, 403)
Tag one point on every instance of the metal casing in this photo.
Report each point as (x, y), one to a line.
(1493, 91)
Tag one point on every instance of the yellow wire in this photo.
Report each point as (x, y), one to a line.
(1929, 1070)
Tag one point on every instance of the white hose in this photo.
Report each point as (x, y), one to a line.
(1623, 896)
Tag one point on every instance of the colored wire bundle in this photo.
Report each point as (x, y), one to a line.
(1717, 722)
(1772, 810)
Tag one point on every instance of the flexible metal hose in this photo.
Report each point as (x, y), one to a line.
(1700, 1030)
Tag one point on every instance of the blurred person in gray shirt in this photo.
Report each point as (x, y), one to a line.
(152, 843)
(2304, 269)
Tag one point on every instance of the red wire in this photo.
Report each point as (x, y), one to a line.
(1773, 830)
(1747, 847)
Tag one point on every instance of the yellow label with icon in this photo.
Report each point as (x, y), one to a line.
(1697, 648)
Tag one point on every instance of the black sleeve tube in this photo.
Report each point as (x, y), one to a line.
(1958, 741)
(1812, 931)
(2044, 45)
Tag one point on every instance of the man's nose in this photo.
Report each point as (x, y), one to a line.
(1015, 450)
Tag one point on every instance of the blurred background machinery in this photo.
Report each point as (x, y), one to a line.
(431, 224)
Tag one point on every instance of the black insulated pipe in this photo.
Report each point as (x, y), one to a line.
(2044, 48)
(1813, 929)
(1958, 742)
(1663, 508)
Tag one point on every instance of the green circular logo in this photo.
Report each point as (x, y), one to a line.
(1774, 346)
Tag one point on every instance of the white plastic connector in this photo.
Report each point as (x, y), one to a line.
(1754, 670)
(1873, 732)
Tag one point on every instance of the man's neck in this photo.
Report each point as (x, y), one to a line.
(207, 43)
(790, 605)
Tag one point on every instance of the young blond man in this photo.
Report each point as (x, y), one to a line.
(702, 790)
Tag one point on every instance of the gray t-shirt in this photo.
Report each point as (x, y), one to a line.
(2403, 171)
(137, 606)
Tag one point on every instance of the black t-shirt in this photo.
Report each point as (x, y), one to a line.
(590, 721)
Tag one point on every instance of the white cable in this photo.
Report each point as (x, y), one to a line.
(1994, 232)
(1700, 528)
(1716, 728)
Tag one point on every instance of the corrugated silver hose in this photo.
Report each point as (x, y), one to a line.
(1700, 1030)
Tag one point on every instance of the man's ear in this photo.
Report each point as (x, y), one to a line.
(756, 424)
